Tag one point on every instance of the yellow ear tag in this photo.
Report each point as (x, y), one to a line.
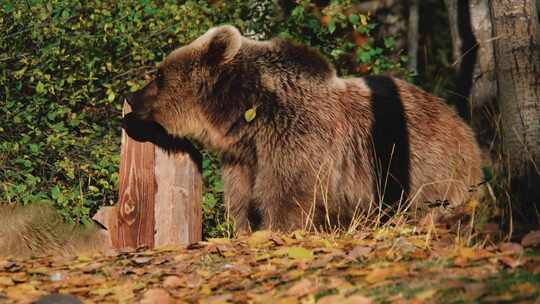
(250, 114)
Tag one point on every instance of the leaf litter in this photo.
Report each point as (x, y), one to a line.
(379, 266)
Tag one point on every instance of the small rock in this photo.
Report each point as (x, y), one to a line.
(142, 260)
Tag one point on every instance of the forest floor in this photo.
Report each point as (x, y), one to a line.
(387, 265)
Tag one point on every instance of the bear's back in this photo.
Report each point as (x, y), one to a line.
(415, 144)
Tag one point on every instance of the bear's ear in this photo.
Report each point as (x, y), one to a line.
(221, 44)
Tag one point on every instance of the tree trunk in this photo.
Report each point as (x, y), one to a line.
(472, 49)
(517, 64)
(413, 36)
(517, 57)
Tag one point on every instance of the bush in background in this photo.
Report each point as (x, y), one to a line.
(65, 67)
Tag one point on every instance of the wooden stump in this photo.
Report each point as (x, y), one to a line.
(159, 200)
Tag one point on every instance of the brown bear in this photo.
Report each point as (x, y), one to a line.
(299, 146)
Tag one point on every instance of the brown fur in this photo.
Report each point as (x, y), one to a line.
(38, 229)
(320, 146)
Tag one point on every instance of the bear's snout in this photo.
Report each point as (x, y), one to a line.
(138, 107)
(131, 100)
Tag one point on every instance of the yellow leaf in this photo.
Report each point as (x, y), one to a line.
(363, 20)
(220, 241)
(426, 294)
(524, 288)
(299, 253)
(5, 281)
(354, 299)
(84, 259)
(262, 257)
(381, 274)
(259, 237)
(281, 251)
(471, 206)
(298, 234)
(250, 114)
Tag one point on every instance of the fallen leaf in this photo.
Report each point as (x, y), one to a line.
(6, 281)
(259, 237)
(173, 282)
(278, 240)
(157, 295)
(511, 248)
(221, 241)
(466, 254)
(471, 206)
(358, 252)
(358, 299)
(331, 299)
(337, 283)
(341, 299)
(298, 234)
(19, 277)
(526, 288)
(23, 292)
(124, 293)
(403, 246)
(301, 288)
(218, 299)
(300, 253)
(84, 259)
(286, 300)
(474, 291)
(506, 297)
(384, 234)
(425, 295)
(381, 274)
(531, 239)
(512, 262)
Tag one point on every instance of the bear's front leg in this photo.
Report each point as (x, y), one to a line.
(237, 184)
(287, 203)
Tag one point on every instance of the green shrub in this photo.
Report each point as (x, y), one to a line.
(66, 65)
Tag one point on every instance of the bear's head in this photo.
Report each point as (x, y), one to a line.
(203, 90)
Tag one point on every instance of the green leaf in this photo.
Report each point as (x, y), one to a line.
(353, 18)
(389, 42)
(111, 96)
(34, 148)
(40, 88)
(55, 193)
(332, 26)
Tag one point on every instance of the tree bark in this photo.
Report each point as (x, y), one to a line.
(484, 86)
(413, 36)
(517, 58)
(472, 49)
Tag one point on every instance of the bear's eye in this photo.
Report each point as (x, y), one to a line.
(159, 78)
